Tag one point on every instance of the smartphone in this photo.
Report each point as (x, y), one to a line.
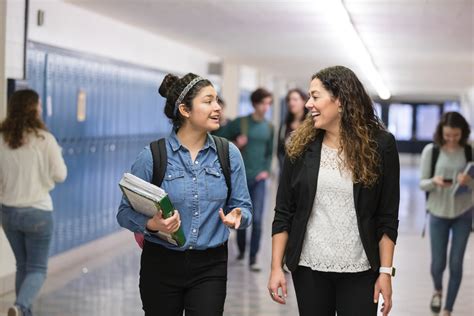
(448, 181)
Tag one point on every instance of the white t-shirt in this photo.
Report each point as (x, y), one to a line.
(28, 173)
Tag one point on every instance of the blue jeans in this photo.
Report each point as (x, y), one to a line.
(29, 232)
(440, 229)
(257, 195)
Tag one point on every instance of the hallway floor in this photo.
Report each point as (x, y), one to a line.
(108, 284)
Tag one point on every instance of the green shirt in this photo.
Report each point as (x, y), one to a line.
(441, 201)
(257, 154)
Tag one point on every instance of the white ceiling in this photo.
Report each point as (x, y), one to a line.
(423, 49)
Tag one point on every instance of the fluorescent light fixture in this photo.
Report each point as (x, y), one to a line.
(349, 35)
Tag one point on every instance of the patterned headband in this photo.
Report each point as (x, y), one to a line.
(184, 92)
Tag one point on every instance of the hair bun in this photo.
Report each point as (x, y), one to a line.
(166, 85)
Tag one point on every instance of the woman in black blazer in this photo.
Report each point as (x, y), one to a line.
(336, 213)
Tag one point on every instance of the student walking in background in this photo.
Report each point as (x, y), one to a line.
(253, 135)
(336, 211)
(223, 120)
(441, 164)
(30, 164)
(192, 278)
(295, 101)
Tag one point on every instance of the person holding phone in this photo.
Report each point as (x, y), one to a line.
(449, 214)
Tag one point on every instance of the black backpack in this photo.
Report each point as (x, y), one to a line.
(160, 159)
(434, 159)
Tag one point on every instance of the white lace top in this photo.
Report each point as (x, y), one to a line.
(332, 242)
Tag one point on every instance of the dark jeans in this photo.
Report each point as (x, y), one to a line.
(172, 281)
(29, 231)
(325, 293)
(257, 195)
(440, 229)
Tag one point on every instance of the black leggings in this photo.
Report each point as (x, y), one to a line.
(325, 293)
(172, 281)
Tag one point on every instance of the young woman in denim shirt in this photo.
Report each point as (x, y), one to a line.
(30, 165)
(193, 277)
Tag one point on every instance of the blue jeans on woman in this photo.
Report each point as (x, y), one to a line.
(257, 195)
(440, 229)
(29, 233)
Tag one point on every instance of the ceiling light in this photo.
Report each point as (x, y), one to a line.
(352, 40)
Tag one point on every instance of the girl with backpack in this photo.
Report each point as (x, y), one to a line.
(450, 214)
(191, 278)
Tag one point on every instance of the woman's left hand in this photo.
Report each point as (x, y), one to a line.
(232, 219)
(383, 286)
(464, 179)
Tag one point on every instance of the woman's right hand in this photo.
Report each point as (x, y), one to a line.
(439, 181)
(277, 281)
(166, 225)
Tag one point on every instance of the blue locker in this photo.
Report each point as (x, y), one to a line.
(123, 114)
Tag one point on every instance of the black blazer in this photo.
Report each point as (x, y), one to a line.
(376, 207)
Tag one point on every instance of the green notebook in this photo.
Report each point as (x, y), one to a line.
(148, 199)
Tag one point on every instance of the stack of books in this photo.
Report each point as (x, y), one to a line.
(148, 199)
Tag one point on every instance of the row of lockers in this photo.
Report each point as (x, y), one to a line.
(86, 203)
(123, 113)
(83, 97)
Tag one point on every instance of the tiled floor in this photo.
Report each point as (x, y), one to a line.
(108, 284)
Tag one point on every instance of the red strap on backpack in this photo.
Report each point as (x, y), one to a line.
(140, 239)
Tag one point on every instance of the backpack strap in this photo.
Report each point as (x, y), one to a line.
(468, 152)
(434, 158)
(160, 160)
(222, 146)
(244, 125)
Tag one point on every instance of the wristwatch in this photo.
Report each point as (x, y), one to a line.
(390, 270)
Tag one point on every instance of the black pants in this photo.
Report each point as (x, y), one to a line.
(172, 281)
(325, 293)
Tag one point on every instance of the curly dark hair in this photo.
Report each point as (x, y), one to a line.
(171, 87)
(22, 118)
(359, 124)
(453, 120)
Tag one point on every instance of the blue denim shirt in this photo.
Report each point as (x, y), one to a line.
(197, 190)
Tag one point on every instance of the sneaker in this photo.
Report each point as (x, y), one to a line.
(255, 268)
(446, 313)
(253, 265)
(14, 311)
(436, 303)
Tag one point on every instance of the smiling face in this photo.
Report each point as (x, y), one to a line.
(323, 107)
(451, 136)
(205, 112)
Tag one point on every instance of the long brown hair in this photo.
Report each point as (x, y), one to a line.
(22, 118)
(290, 117)
(453, 120)
(359, 123)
